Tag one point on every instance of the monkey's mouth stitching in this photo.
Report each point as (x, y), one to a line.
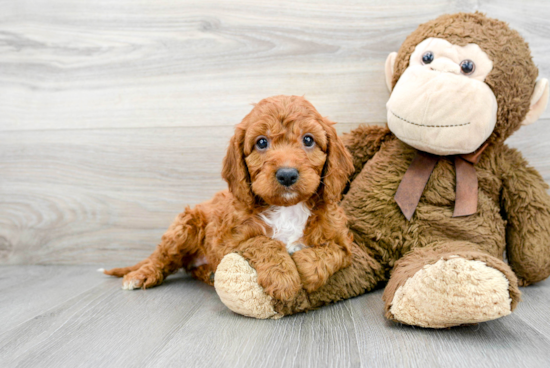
(428, 126)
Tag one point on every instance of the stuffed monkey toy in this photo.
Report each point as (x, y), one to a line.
(437, 198)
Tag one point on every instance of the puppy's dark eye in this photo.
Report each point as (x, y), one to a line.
(427, 57)
(261, 143)
(467, 67)
(308, 140)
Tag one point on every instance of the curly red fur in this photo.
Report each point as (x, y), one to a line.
(199, 238)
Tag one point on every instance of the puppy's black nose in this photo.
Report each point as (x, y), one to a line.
(287, 176)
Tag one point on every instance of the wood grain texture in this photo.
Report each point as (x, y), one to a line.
(114, 190)
(26, 292)
(115, 115)
(78, 64)
(183, 324)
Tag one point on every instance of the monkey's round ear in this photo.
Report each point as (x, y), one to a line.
(539, 101)
(390, 62)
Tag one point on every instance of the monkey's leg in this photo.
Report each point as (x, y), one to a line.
(448, 284)
(179, 245)
(236, 283)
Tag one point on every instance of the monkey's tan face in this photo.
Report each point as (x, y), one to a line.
(441, 103)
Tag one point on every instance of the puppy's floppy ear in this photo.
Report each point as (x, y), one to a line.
(235, 171)
(338, 166)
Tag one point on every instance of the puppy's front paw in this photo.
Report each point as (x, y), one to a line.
(312, 279)
(312, 274)
(280, 283)
(145, 277)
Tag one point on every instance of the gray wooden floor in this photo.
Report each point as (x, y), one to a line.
(72, 316)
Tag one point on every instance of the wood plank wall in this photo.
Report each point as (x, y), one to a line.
(115, 114)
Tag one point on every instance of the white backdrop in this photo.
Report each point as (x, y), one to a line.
(115, 114)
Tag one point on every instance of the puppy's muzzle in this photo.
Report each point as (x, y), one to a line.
(287, 176)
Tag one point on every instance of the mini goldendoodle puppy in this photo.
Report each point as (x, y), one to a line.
(286, 169)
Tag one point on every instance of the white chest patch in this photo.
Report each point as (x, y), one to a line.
(288, 224)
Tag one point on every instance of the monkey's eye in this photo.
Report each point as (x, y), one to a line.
(261, 143)
(308, 140)
(427, 57)
(467, 67)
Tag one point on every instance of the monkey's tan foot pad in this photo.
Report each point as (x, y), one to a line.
(452, 292)
(237, 286)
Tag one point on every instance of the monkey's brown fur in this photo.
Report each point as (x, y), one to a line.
(231, 221)
(513, 209)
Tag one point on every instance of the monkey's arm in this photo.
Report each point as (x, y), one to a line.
(363, 143)
(526, 203)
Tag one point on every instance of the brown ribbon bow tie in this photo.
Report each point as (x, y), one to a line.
(417, 175)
